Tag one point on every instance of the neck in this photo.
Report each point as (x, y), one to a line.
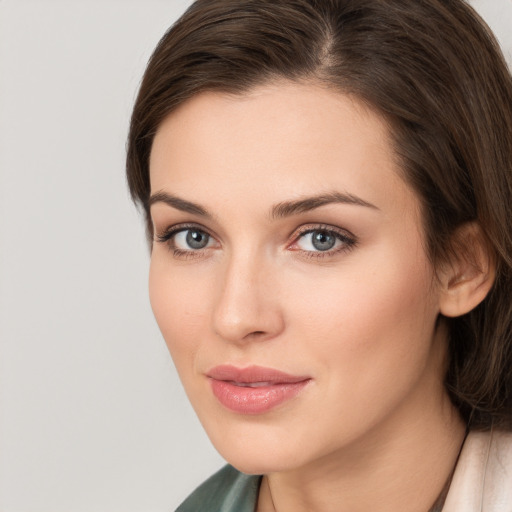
(407, 472)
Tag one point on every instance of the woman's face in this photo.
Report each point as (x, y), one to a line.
(289, 277)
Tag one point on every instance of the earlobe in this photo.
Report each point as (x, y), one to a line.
(469, 275)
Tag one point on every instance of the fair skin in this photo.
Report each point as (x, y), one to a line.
(354, 311)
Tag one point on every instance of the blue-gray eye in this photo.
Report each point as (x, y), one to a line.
(318, 240)
(191, 239)
(322, 240)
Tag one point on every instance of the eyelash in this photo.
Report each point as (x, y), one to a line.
(349, 241)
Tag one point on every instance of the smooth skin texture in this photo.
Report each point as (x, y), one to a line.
(244, 283)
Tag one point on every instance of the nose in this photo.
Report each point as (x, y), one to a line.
(248, 302)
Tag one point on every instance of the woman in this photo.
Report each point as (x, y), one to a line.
(327, 185)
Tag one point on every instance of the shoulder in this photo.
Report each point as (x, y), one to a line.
(228, 490)
(483, 477)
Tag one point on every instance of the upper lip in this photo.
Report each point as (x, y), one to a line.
(253, 374)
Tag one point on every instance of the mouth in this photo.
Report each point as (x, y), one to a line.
(252, 384)
(254, 390)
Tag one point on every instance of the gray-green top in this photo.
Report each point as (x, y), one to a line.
(228, 490)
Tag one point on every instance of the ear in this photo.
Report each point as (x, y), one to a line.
(469, 274)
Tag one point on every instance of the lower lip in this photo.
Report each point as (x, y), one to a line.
(247, 400)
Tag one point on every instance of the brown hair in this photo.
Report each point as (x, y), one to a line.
(433, 70)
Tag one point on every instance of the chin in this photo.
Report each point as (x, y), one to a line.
(259, 464)
(257, 451)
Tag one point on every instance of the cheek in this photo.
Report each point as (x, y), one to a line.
(373, 316)
(367, 336)
(180, 307)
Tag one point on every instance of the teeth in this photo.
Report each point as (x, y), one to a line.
(252, 384)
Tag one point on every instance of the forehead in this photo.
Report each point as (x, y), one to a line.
(284, 108)
(279, 139)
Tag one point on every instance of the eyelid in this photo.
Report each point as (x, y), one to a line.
(170, 231)
(309, 228)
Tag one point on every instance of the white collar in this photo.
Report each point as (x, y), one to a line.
(482, 481)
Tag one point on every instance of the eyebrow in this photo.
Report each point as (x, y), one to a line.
(280, 210)
(288, 208)
(177, 203)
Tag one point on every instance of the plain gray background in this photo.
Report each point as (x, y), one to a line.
(92, 416)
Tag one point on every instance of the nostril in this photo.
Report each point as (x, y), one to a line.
(256, 334)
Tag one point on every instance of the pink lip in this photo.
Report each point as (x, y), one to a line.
(255, 389)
